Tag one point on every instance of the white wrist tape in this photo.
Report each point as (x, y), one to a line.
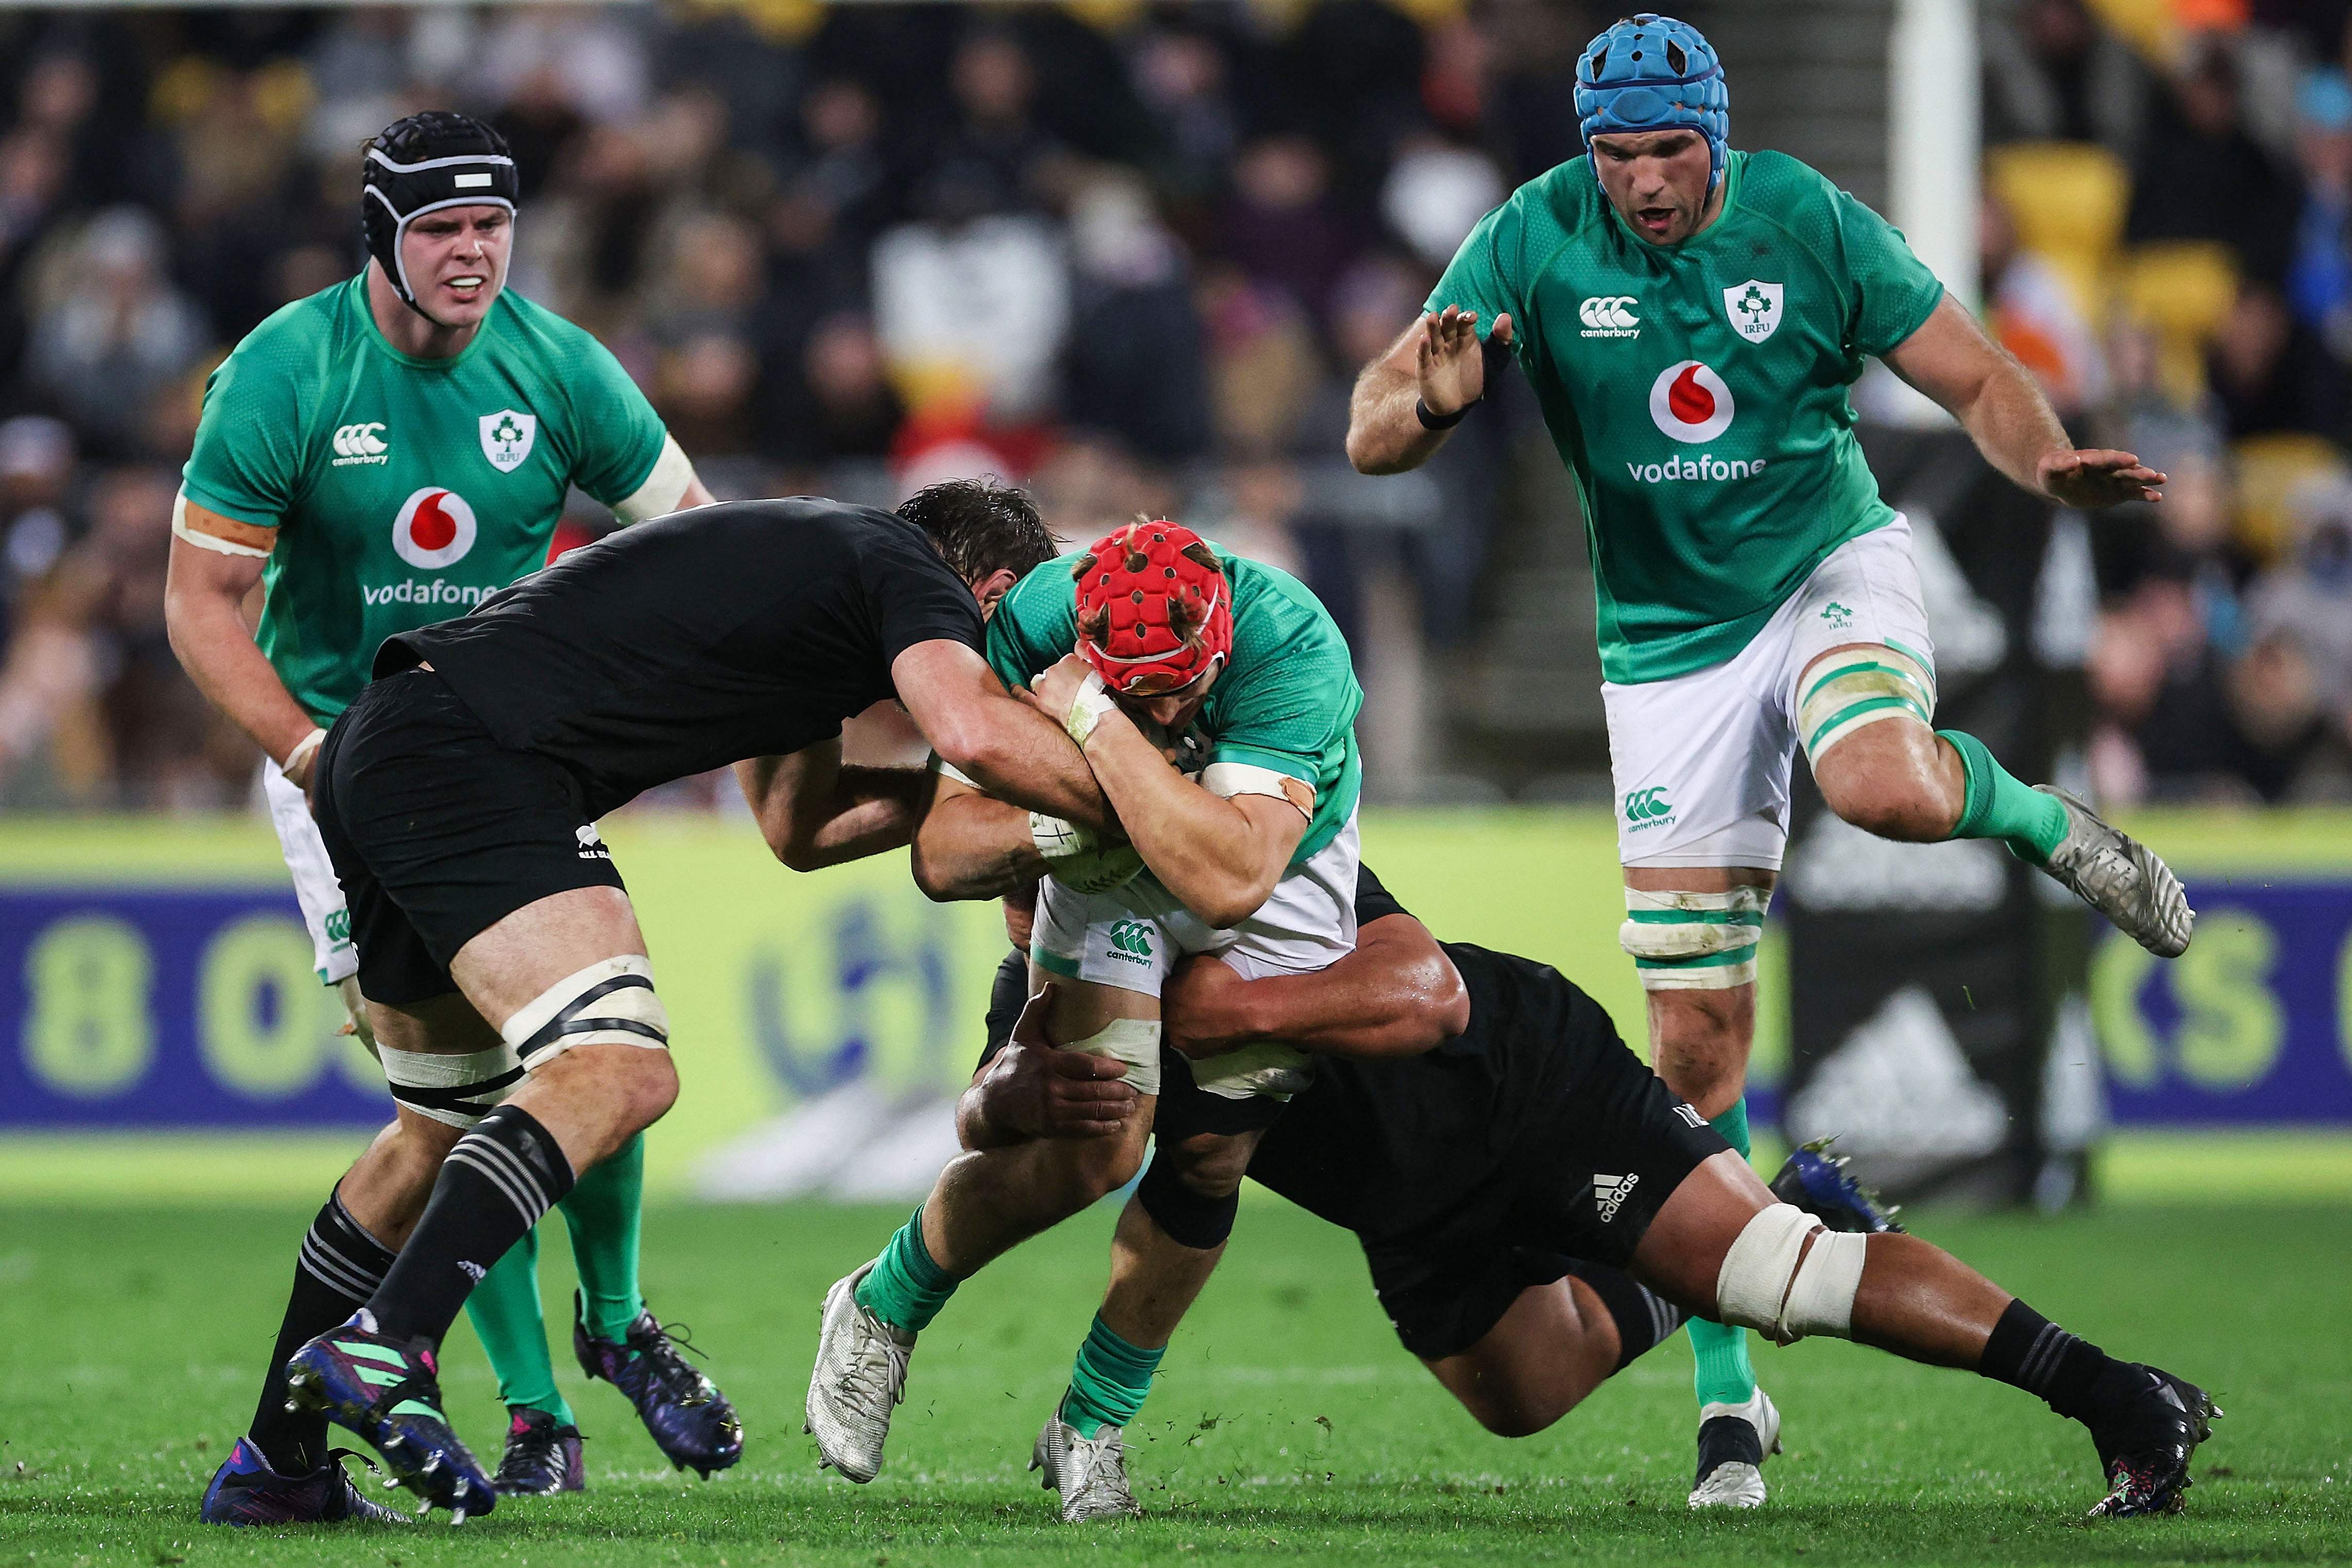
(1771, 1283)
(304, 749)
(1087, 708)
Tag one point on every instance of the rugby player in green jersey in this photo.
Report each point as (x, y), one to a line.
(1690, 318)
(1149, 648)
(380, 455)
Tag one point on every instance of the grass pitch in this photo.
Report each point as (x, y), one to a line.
(1288, 1424)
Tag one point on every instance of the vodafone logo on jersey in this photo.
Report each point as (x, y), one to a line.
(1690, 403)
(434, 529)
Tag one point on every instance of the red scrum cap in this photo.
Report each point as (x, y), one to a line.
(1155, 612)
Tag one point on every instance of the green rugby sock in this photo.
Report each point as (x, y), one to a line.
(1108, 1380)
(906, 1289)
(1724, 1376)
(603, 1210)
(505, 1310)
(1998, 805)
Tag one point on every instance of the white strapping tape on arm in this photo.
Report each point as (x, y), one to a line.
(664, 488)
(212, 541)
(947, 769)
(1227, 779)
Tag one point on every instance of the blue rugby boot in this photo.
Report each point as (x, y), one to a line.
(690, 1420)
(246, 1491)
(389, 1392)
(1814, 1182)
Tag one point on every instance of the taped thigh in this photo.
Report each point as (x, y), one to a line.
(1771, 1283)
(610, 1003)
(1693, 942)
(1846, 690)
(458, 1090)
(1136, 1042)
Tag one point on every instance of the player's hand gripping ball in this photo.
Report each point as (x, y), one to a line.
(1080, 858)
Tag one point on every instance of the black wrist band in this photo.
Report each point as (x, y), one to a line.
(1442, 421)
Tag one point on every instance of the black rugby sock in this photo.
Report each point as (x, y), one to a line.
(1643, 1321)
(2027, 1350)
(340, 1268)
(493, 1187)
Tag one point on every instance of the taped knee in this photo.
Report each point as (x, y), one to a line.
(611, 1003)
(1693, 942)
(1848, 692)
(1190, 1218)
(1771, 1283)
(455, 1090)
(1136, 1042)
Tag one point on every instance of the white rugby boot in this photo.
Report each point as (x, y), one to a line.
(860, 1377)
(1733, 1442)
(2121, 878)
(1090, 1473)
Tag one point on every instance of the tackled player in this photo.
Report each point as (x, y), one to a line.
(1690, 318)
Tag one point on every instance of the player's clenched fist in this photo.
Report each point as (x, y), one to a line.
(1453, 370)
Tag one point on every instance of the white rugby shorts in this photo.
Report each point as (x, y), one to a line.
(315, 887)
(1700, 761)
(1132, 937)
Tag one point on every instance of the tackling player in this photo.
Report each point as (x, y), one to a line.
(380, 455)
(1256, 864)
(1690, 318)
(1535, 1208)
(458, 796)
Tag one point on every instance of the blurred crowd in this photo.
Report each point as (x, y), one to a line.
(1132, 254)
(2164, 241)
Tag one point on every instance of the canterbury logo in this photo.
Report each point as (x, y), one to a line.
(1647, 805)
(1610, 316)
(1611, 1193)
(1130, 940)
(360, 443)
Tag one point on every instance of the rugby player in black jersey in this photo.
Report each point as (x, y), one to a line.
(1535, 1208)
(459, 798)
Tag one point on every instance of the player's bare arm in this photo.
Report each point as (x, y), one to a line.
(1030, 1090)
(1981, 384)
(817, 811)
(1010, 750)
(1436, 364)
(1221, 857)
(203, 615)
(970, 844)
(1396, 995)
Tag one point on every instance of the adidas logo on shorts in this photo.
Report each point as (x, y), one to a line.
(1611, 1193)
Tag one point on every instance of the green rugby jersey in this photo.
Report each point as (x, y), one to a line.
(1697, 392)
(1286, 700)
(404, 490)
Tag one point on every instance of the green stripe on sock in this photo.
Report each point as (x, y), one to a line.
(508, 1319)
(603, 1211)
(1108, 1380)
(1723, 1374)
(905, 1289)
(1724, 960)
(1695, 917)
(1997, 806)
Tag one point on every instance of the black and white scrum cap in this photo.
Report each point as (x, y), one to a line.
(421, 165)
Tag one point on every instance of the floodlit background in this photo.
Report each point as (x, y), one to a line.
(1132, 256)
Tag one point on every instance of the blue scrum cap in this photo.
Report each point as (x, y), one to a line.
(1653, 73)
